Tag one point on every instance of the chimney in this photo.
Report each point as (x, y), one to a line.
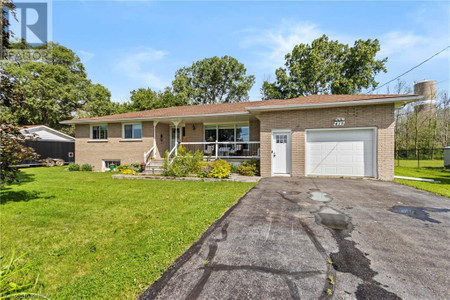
(427, 89)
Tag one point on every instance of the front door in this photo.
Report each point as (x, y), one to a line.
(181, 134)
(281, 153)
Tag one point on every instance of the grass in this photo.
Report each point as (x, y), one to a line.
(429, 169)
(90, 236)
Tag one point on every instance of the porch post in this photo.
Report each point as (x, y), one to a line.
(217, 149)
(154, 138)
(176, 135)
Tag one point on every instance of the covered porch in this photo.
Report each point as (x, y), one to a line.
(227, 137)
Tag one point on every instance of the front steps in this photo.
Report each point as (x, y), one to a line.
(155, 167)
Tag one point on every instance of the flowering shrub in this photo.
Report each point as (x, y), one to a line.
(219, 169)
(250, 168)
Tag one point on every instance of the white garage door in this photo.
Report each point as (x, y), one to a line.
(340, 152)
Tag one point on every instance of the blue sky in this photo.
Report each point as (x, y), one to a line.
(126, 45)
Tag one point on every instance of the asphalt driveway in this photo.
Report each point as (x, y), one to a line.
(308, 238)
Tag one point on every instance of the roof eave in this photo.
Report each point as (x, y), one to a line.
(401, 100)
(176, 117)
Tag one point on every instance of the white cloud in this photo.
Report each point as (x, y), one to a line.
(273, 44)
(139, 64)
(85, 55)
(410, 47)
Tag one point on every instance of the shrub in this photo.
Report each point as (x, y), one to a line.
(74, 167)
(184, 164)
(137, 167)
(129, 172)
(122, 168)
(204, 170)
(86, 167)
(219, 169)
(234, 168)
(250, 168)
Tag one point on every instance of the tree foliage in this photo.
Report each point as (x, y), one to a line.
(12, 151)
(145, 99)
(54, 90)
(213, 80)
(326, 67)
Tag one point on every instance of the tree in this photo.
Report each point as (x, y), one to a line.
(326, 67)
(146, 99)
(12, 152)
(213, 80)
(54, 90)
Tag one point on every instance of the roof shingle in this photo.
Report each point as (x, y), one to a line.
(239, 107)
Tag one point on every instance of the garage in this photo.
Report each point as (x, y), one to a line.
(341, 152)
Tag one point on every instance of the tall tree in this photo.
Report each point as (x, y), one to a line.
(326, 67)
(213, 80)
(12, 151)
(54, 90)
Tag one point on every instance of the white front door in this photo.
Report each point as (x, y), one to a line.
(281, 153)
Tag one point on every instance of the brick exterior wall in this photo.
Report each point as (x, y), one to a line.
(162, 139)
(254, 129)
(379, 116)
(94, 152)
(194, 135)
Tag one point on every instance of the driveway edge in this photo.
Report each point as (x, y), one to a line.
(153, 290)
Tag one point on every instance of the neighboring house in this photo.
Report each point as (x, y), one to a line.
(50, 143)
(330, 135)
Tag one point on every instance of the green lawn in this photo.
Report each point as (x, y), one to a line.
(90, 236)
(430, 169)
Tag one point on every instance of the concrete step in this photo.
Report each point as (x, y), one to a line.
(152, 171)
(156, 163)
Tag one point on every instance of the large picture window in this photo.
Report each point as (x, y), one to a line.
(227, 133)
(132, 131)
(99, 132)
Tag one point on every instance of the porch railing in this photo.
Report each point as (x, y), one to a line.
(225, 149)
(147, 155)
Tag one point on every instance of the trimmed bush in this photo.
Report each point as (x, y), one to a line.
(86, 167)
(219, 169)
(250, 168)
(73, 167)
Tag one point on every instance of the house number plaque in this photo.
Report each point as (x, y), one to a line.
(339, 121)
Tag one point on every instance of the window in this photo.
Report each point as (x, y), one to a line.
(281, 139)
(111, 164)
(99, 132)
(242, 133)
(227, 133)
(210, 133)
(132, 131)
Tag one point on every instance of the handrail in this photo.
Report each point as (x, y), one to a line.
(170, 153)
(212, 143)
(219, 152)
(146, 154)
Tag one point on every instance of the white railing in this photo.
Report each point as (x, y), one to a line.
(173, 152)
(224, 149)
(147, 155)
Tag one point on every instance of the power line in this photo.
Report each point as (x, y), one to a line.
(415, 67)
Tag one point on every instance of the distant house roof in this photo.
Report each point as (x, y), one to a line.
(312, 101)
(45, 133)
